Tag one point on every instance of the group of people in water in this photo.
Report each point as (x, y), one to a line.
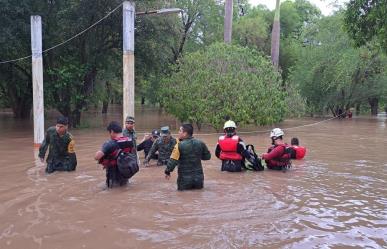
(119, 157)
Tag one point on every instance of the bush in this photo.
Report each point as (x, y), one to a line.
(224, 80)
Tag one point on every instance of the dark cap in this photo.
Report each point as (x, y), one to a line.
(164, 131)
(114, 126)
(129, 119)
(62, 120)
(155, 133)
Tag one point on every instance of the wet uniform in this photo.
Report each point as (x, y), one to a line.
(164, 149)
(146, 147)
(132, 135)
(187, 155)
(61, 154)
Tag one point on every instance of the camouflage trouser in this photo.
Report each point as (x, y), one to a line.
(162, 162)
(114, 177)
(59, 166)
(190, 182)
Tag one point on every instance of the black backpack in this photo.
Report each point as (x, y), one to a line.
(127, 164)
(291, 151)
(254, 162)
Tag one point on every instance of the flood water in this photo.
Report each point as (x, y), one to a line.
(335, 198)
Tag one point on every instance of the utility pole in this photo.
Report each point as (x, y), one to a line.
(228, 21)
(275, 36)
(128, 59)
(37, 79)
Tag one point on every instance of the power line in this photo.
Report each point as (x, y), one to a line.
(264, 131)
(14, 60)
(66, 41)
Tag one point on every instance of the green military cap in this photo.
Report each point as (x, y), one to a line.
(129, 119)
(164, 131)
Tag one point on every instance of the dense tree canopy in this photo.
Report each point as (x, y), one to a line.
(332, 75)
(366, 20)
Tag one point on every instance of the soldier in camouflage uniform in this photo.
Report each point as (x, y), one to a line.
(164, 145)
(187, 154)
(61, 155)
(129, 130)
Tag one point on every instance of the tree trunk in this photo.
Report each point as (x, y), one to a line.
(199, 125)
(142, 100)
(275, 36)
(75, 118)
(105, 105)
(22, 109)
(333, 111)
(374, 104)
(357, 110)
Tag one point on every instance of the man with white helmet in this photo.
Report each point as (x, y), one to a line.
(277, 156)
(231, 149)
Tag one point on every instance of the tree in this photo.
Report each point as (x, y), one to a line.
(16, 77)
(332, 75)
(61, 19)
(365, 21)
(224, 80)
(252, 30)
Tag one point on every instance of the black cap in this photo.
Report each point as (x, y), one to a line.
(155, 133)
(62, 120)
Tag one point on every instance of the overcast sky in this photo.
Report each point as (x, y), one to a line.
(326, 6)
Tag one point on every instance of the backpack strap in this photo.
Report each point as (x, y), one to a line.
(250, 146)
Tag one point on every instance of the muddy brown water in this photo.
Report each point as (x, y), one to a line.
(335, 198)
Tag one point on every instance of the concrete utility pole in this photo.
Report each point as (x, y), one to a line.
(37, 79)
(228, 21)
(128, 59)
(275, 36)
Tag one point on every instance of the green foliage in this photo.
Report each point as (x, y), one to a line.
(224, 80)
(366, 20)
(296, 103)
(252, 31)
(15, 77)
(332, 75)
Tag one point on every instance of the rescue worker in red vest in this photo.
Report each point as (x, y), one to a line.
(107, 156)
(231, 149)
(299, 151)
(277, 157)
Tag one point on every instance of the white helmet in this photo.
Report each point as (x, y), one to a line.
(229, 124)
(276, 132)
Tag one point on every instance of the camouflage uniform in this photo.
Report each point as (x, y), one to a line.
(131, 134)
(188, 154)
(164, 149)
(61, 155)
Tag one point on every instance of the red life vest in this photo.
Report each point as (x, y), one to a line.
(123, 144)
(300, 151)
(228, 147)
